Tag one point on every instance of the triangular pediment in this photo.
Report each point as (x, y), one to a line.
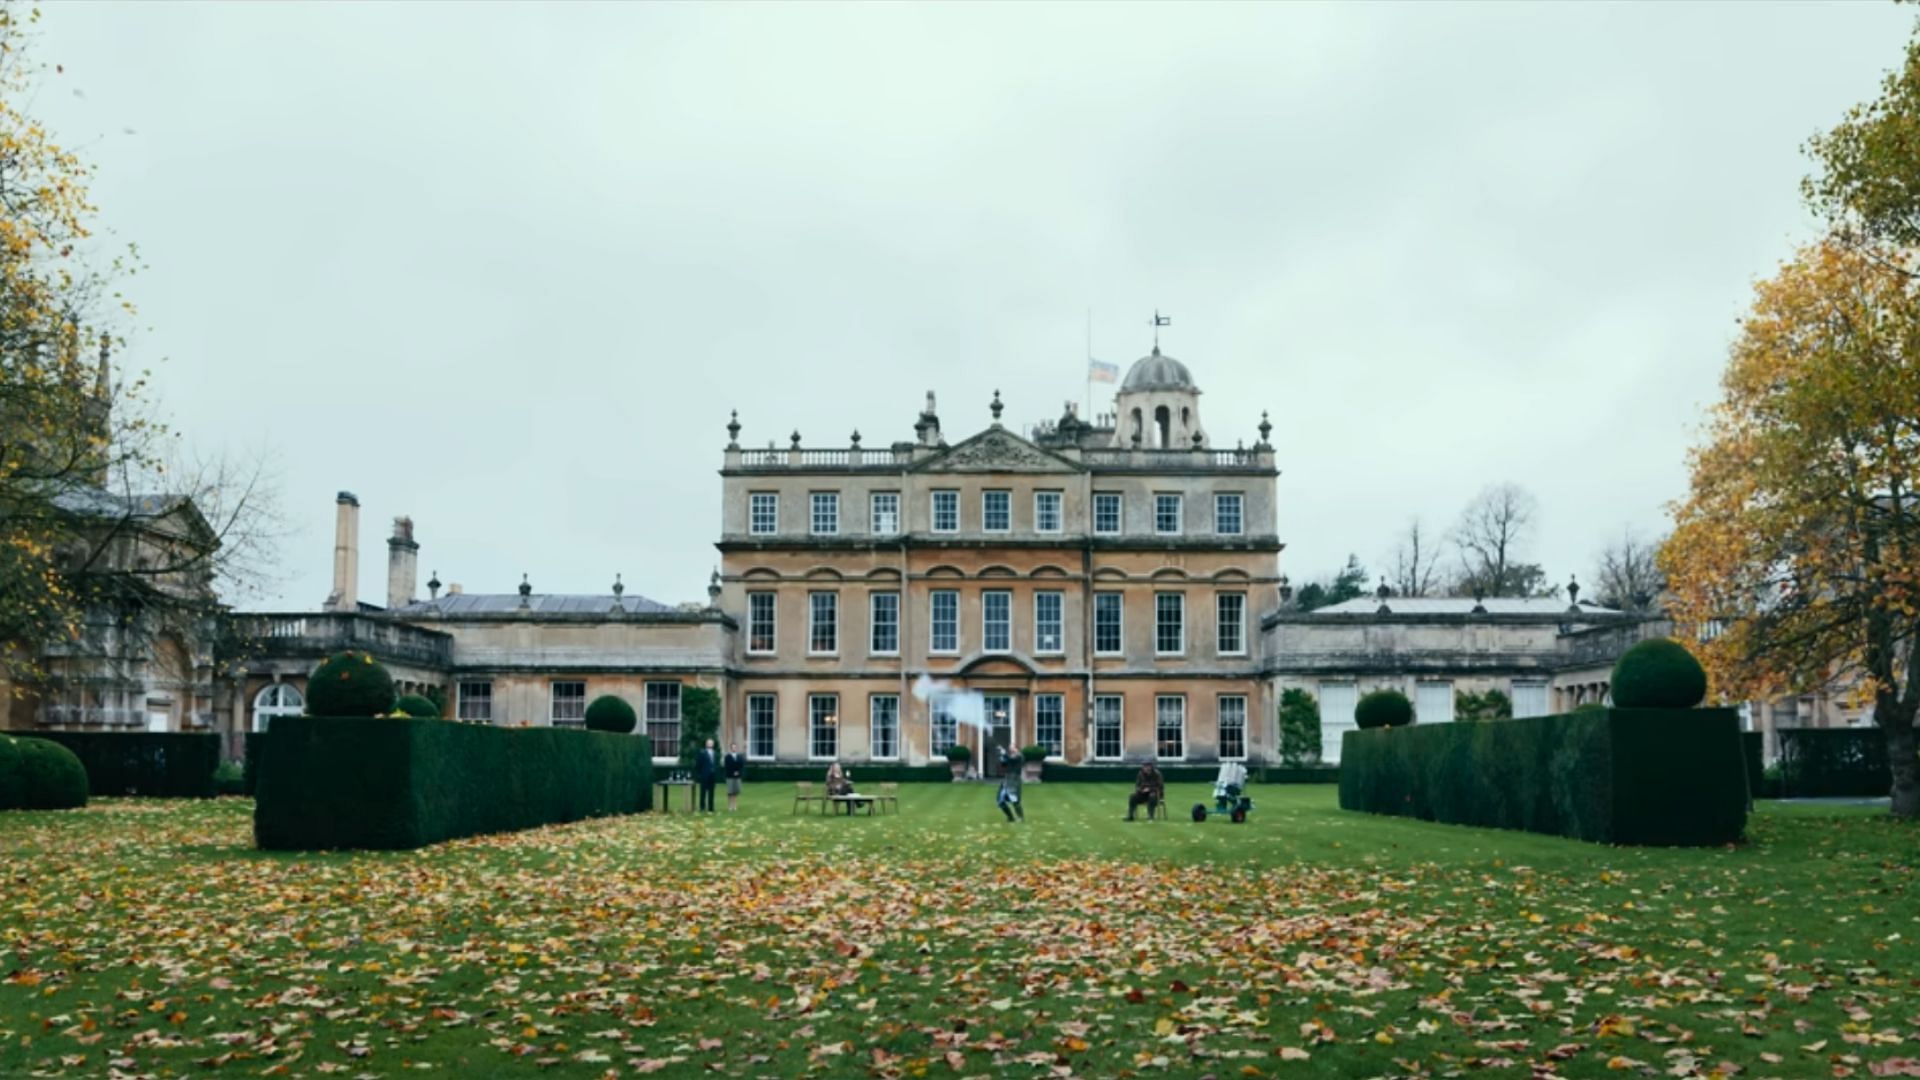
(997, 450)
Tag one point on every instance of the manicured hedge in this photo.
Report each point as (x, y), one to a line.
(760, 772)
(1753, 753)
(1622, 776)
(356, 782)
(1834, 762)
(1127, 773)
(1296, 774)
(163, 764)
(48, 776)
(1053, 773)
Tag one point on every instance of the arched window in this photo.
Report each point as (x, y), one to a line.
(1139, 426)
(279, 699)
(1163, 420)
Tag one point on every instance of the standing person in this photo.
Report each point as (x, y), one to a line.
(734, 765)
(1148, 788)
(1011, 763)
(706, 767)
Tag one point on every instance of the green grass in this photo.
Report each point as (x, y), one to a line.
(149, 938)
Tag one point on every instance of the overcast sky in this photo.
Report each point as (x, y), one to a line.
(506, 269)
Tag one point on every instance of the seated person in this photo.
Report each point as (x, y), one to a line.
(1148, 788)
(837, 781)
(1232, 780)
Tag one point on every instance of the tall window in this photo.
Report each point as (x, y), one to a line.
(823, 726)
(1046, 511)
(763, 513)
(276, 699)
(476, 701)
(996, 620)
(884, 638)
(567, 702)
(1433, 702)
(663, 718)
(1233, 727)
(1048, 623)
(1000, 718)
(826, 513)
(1169, 623)
(1227, 518)
(1106, 726)
(760, 622)
(946, 511)
(1050, 723)
(885, 507)
(996, 511)
(883, 726)
(943, 731)
(1106, 624)
(760, 721)
(1529, 699)
(943, 621)
(1166, 514)
(1106, 513)
(1170, 726)
(1231, 629)
(823, 622)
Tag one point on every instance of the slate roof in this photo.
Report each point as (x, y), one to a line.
(1458, 605)
(494, 605)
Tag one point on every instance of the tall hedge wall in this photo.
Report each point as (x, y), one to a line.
(1618, 776)
(170, 764)
(1833, 762)
(385, 782)
(1054, 772)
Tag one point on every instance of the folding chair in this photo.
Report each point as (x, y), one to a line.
(889, 796)
(803, 794)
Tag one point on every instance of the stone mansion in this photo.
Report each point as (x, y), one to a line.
(1111, 588)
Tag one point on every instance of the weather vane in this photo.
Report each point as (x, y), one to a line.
(1159, 321)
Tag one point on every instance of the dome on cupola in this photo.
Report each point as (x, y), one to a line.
(1158, 371)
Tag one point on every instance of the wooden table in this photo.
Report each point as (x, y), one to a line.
(853, 802)
(666, 794)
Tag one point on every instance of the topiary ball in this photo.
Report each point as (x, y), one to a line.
(12, 783)
(417, 706)
(610, 713)
(350, 684)
(1383, 708)
(53, 778)
(1591, 706)
(1658, 673)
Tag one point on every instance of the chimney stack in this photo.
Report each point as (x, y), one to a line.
(346, 554)
(403, 560)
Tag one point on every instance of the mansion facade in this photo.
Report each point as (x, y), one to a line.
(1111, 590)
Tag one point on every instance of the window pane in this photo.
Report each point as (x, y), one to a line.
(1337, 701)
(1106, 623)
(1232, 609)
(1046, 511)
(1226, 515)
(476, 701)
(886, 622)
(760, 622)
(1000, 718)
(1106, 513)
(760, 720)
(1050, 723)
(946, 511)
(997, 624)
(1233, 726)
(1169, 622)
(568, 703)
(886, 513)
(763, 513)
(945, 621)
(663, 718)
(1166, 513)
(823, 725)
(996, 511)
(945, 730)
(1106, 726)
(823, 621)
(826, 513)
(1433, 702)
(1170, 727)
(1047, 637)
(884, 725)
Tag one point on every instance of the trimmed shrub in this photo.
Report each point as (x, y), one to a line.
(350, 684)
(1299, 727)
(611, 714)
(1833, 762)
(155, 764)
(1492, 705)
(417, 707)
(230, 779)
(52, 776)
(1036, 752)
(959, 752)
(1658, 673)
(12, 784)
(1591, 706)
(1383, 708)
(392, 783)
(1619, 776)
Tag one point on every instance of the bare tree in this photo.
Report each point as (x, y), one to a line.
(1414, 566)
(1628, 576)
(1491, 536)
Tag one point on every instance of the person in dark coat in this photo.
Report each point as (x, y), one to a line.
(1011, 764)
(1149, 788)
(734, 766)
(706, 769)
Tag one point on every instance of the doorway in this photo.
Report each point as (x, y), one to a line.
(999, 733)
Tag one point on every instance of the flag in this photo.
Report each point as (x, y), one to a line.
(1101, 371)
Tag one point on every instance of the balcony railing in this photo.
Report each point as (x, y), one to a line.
(797, 457)
(321, 634)
(1147, 459)
(57, 715)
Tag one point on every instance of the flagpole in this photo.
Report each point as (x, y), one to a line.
(1088, 418)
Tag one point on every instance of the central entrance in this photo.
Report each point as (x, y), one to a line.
(999, 732)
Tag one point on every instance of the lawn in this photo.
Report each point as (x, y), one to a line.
(148, 938)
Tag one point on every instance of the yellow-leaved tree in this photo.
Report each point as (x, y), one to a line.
(1801, 532)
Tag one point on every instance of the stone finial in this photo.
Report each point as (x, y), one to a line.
(1266, 427)
(433, 586)
(526, 590)
(1383, 592)
(1479, 599)
(713, 590)
(856, 438)
(1286, 590)
(795, 438)
(1573, 592)
(617, 587)
(1136, 438)
(996, 407)
(1199, 440)
(733, 430)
